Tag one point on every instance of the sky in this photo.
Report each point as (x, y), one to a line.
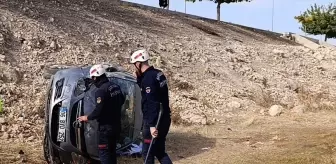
(257, 14)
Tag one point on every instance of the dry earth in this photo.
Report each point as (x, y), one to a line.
(221, 76)
(249, 138)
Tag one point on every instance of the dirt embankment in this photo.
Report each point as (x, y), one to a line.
(216, 71)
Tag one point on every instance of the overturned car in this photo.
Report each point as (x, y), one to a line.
(70, 95)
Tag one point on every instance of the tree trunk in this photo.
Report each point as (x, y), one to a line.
(218, 11)
(326, 38)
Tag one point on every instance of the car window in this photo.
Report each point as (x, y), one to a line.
(128, 88)
(81, 86)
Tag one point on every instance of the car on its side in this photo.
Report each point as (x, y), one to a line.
(70, 94)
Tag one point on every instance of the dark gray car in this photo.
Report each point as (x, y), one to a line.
(70, 95)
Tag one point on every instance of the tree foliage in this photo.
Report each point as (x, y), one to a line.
(219, 2)
(319, 20)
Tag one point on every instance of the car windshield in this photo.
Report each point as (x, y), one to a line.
(128, 112)
(128, 109)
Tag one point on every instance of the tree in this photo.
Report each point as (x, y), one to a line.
(319, 20)
(219, 2)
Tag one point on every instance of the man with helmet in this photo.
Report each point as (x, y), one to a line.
(109, 100)
(154, 91)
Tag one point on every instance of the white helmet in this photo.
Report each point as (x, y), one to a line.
(97, 70)
(139, 56)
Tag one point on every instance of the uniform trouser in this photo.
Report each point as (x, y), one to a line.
(107, 141)
(158, 148)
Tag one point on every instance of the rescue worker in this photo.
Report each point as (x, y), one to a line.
(154, 91)
(109, 100)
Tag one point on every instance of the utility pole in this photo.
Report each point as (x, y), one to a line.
(272, 14)
(168, 5)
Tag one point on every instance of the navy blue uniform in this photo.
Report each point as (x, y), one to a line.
(154, 90)
(109, 99)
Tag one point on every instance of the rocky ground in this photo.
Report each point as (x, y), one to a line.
(246, 139)
(216, 71)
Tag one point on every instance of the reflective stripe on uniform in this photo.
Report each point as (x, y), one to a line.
(103, 146)
(147, 141)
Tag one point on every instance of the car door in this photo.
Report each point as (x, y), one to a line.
(91, 127)
(128, 117)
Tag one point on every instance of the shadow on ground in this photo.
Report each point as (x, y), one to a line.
(180, 146)
(184, 145)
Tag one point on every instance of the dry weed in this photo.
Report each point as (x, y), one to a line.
(206, 103)
(315, 101)
(262, 98)
(176, 117)
(183, 85)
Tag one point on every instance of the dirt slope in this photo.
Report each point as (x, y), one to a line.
(216, 71)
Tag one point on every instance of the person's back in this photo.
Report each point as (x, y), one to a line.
(159, 89)
(111, 113)
(107, 111)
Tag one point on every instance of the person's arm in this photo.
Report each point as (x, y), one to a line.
(100, 98)
(153, 103)
(161, 78)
